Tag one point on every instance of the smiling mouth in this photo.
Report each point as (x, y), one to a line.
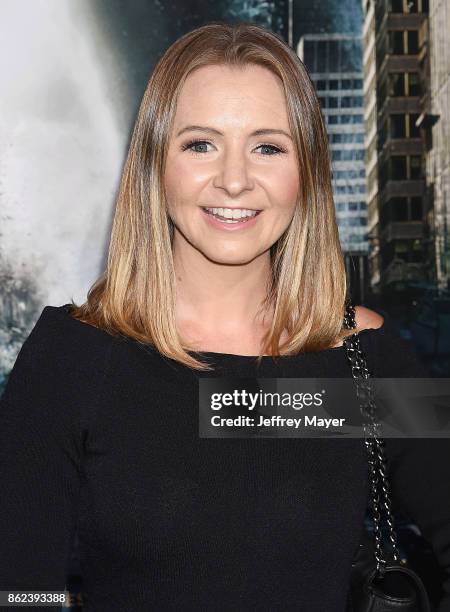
(230, 215)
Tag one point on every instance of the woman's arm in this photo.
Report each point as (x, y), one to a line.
(41, 448)
(418, 468)
(419, 474)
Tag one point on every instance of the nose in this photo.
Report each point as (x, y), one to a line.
(233, 173)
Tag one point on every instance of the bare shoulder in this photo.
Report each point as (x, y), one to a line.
(367, 318)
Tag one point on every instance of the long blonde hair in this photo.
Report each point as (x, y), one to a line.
(135, 295)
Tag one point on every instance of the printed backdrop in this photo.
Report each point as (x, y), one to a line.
(73, 73)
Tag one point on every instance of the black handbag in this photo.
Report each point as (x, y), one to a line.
(376, 583)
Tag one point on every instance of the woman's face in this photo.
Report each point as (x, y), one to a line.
(240, 156)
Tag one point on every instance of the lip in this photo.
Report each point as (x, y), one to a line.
(230, 227)
(233, 207)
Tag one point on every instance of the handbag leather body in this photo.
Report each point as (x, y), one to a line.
(400, 588)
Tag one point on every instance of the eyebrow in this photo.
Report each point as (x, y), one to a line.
(260, 132)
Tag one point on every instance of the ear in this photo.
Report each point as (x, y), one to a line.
(367, 319)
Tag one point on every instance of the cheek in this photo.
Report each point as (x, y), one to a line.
(182, 182)
(284, 188)
(170, 178)
(179, 184)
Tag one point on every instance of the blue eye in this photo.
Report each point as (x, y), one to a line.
(275, 150)
(197, 143)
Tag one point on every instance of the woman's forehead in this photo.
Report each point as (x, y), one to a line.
(232, 95)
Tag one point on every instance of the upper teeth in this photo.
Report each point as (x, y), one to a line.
(233, 213)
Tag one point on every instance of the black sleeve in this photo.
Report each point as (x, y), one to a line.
(41, 444)
(418, 468)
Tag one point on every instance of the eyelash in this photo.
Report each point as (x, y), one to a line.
(189, 144)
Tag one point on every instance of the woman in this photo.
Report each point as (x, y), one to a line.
(100, 415)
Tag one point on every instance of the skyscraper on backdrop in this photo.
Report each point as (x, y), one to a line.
(406, 60)
(335, 65)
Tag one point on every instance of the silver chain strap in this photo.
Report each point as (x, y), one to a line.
(374, 443)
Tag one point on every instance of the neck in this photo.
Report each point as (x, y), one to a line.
(216, 300)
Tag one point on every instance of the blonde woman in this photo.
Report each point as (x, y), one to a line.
(224, 260)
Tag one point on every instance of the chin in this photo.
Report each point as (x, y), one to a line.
(230, 258)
